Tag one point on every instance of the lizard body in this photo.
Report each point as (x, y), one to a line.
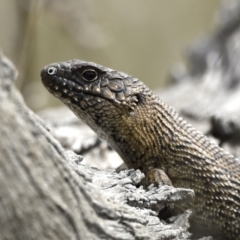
(148, 134)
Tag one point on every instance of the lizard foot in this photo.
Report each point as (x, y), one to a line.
(157, 177)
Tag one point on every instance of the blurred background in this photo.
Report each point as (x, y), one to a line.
(143, 38)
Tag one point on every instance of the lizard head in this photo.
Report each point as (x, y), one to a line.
(93, 92)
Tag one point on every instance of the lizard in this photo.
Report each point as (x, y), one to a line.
(149, 135)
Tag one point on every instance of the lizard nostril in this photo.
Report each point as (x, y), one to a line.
(51, 70)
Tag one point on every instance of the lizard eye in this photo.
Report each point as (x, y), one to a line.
(89, 75)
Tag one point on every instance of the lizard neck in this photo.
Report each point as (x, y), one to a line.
(138, 136)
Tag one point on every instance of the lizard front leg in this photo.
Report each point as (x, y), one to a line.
(157, 177)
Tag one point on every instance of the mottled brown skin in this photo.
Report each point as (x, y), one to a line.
(149, 135)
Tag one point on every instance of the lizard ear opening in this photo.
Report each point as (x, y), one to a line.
(140, 98)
